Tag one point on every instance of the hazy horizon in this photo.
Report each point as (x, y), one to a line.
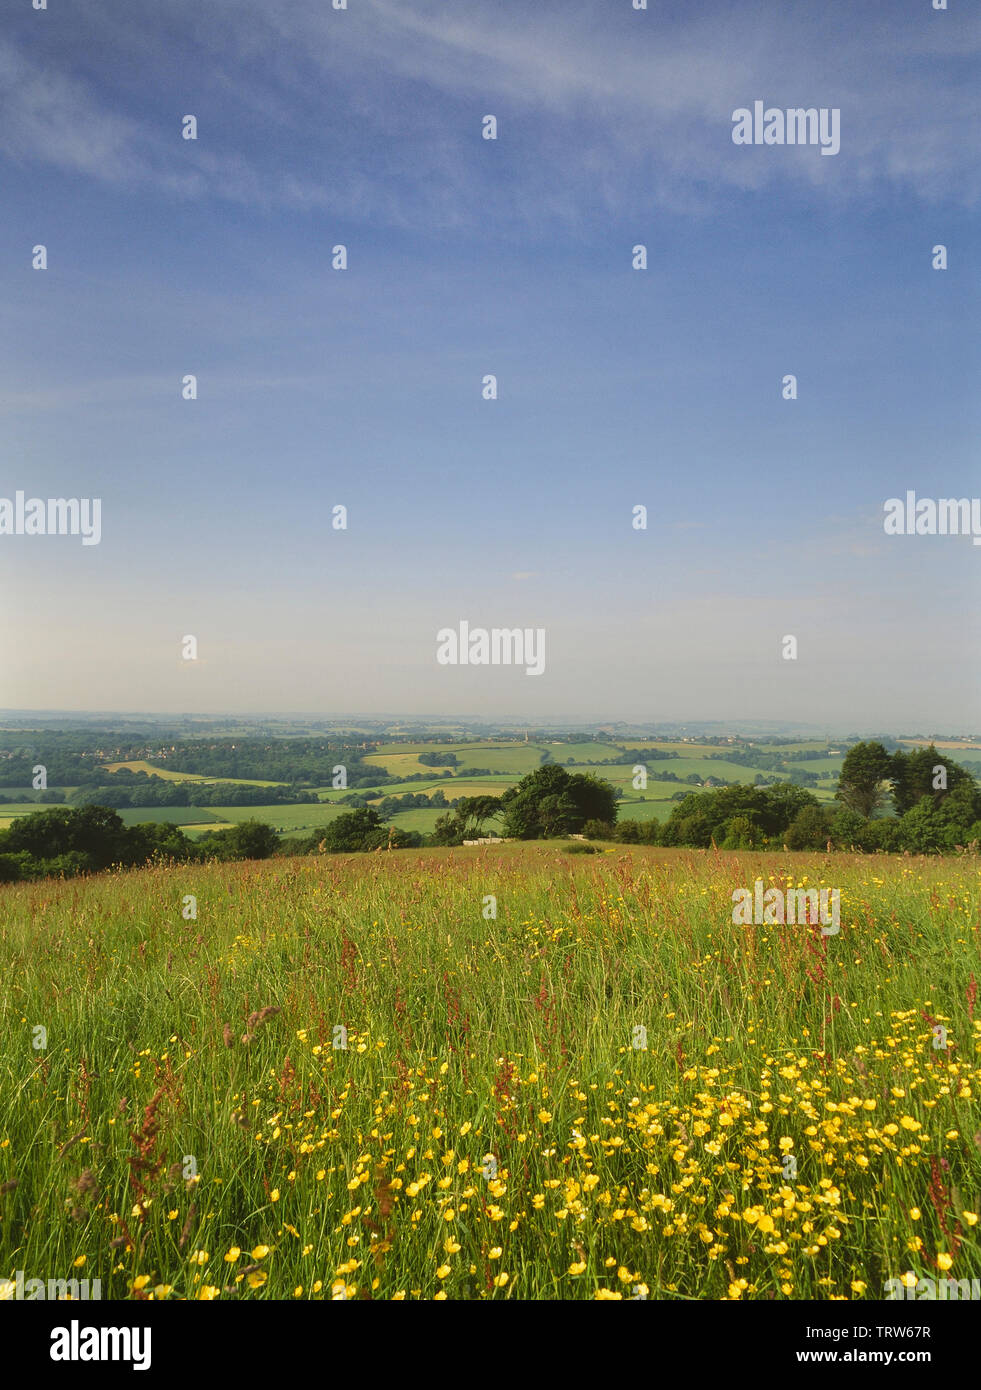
(746, 727)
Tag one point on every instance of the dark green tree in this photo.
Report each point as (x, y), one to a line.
(741, 833)
(861, 782)
(250, 839)
(810, 829)
(917, 774)
(348, 833)
(550, 801)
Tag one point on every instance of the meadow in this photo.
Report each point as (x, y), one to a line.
(344, 1078)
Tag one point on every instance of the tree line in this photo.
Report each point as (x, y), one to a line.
(65, 841)
(920, 802)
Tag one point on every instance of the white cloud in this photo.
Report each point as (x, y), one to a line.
(376, 109)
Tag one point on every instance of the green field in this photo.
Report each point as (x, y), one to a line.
(420, 819)
(582, 752)
(622, 773)
(172, 815)
(399, 764)
(518, 758)
(463, 786)
(593, 1095)
(807, 746)
(667, 746)
(471, 745)
(169, 775)
(12, 810)
(824, 767)
(291, 819)
(395, 789)
(451, 787)
(645, 810)
(712, 767)
(23, 794)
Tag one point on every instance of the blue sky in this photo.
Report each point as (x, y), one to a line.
(511, 257)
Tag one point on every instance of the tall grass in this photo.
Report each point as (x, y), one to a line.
(495, 1126)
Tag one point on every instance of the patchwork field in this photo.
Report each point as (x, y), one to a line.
(684, 750)
(451, 787)
(172, 815)
(963, 744)
(400, 764)
(516, 758)
(169, 775)
(518, 761)
(622, 773)
(508, 761)
(342, 1079)
(290, 819)
(461, 786)
(425, 821)
(652, 808)
(824, 767)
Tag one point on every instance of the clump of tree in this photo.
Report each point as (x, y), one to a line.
(65, 841)
(551, 801)
(137, 791)
(250, 839)
(937, 803)
(409, 801)
(863, 781)
(360, 830)
(466, 821)
(736, 817)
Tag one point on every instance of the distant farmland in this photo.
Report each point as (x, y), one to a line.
(507, 760)
(169, 775)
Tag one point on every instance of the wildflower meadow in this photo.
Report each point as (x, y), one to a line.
(503, 1072)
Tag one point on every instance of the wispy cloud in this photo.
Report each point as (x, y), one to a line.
(598, 112)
